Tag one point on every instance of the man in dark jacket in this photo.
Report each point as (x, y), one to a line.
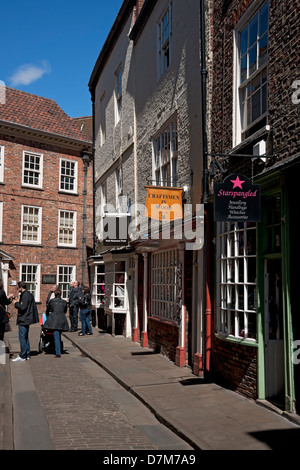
(27, 315)
(75, 293)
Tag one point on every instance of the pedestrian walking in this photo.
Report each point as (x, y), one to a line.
(4, 318)
(85, 311)
(56, 319)
(27, 315)
(74, 294)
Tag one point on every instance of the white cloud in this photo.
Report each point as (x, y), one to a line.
(29, 73)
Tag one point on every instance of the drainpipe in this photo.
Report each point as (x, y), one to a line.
(94, 188)
(86, 160)
(207, 300)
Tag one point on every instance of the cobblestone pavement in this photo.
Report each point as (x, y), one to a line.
(85, 408)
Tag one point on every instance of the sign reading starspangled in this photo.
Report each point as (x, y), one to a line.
(236, 199)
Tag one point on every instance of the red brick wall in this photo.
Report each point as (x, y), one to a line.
(48, 255)
(235, 366)
(163, 337)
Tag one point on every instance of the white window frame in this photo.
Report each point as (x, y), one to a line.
(165, 156)
(164, 282)
(236, 291)
(115, 290)
(68, 229)
(65, 278)
(38, 225)
(98, 292)
(238, 131)
(164, 41)
(118, 93)
(73, 177)
(33, 170)
(29, 279)
(1, 163)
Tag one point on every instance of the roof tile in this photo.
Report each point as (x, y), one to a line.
(38, 113)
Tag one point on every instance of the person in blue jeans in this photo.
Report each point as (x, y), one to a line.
(27, 315)
(56, 319)
(84, 303)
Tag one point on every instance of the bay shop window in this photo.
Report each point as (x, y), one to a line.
(164, 285)
(236, 280)
(115, 281)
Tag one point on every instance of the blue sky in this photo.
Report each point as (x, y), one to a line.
(49, 47)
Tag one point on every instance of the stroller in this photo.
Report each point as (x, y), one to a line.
(46, 342)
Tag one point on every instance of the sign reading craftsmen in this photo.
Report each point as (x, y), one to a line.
(164, 203)
(237, 200)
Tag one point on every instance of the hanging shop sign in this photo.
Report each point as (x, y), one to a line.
(164, 203)
(115, 229)
(236, 199)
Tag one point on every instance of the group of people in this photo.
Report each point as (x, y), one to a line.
(56, 310)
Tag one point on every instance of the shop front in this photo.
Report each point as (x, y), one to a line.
(256, 321)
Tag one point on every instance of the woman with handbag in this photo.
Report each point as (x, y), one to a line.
(4, 317)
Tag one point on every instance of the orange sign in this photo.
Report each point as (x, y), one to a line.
(164, 203)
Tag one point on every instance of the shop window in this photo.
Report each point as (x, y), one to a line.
(98, 293)
(236, 280)
(115, 279)
(273, 224)
(164, 285)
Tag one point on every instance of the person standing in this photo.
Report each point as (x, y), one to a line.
(75, 292)
(4, 301)
(51, 294)
(56, 319)
(85, 311)
(27, 315)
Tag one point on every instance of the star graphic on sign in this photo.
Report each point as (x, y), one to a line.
(237, 183)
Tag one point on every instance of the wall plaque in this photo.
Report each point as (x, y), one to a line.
(48, 279)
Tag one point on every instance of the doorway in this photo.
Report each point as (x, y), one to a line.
(274, 344)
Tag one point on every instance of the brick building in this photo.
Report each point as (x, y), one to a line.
(254, 111)
(45, 196)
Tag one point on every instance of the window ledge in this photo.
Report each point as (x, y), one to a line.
(68, 193)
(35, 188)
(257, 135)
(232, 339)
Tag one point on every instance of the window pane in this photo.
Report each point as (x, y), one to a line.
(252, 60)
(253, 29)
(263, 19)
(244, 41)
(243, 69)
(263, 48)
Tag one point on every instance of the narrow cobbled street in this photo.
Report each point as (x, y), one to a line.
(71, 403)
